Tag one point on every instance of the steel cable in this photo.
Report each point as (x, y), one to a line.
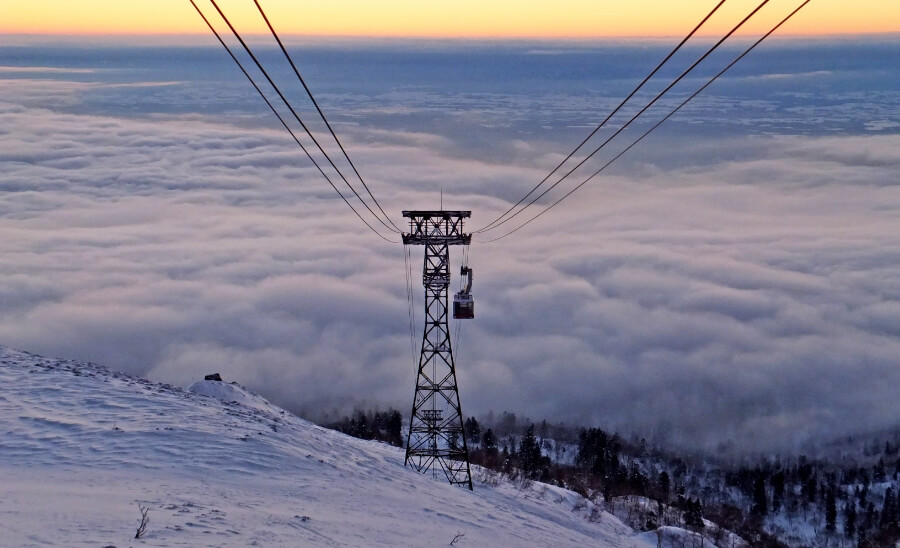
(635, 117)
(410, 304)
(646, 133)
(608, 117)
(292, 110)
(283, 123)
(322, 114)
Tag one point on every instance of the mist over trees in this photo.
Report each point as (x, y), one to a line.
(383, 426)
(801, 501)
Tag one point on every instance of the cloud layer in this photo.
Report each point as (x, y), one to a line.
(717, 287)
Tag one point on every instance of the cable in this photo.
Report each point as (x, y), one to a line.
(417, 344)
(609, 116)
(646, 133)
(410, 304)
(322, 114)
(294, 112)
(291, 108)
(633, 118)
(283, 123)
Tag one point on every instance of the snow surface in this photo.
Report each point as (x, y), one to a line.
(233, 393)
(82, 447)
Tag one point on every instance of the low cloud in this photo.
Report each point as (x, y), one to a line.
(750, 297)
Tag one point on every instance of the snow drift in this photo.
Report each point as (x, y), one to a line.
(83, 447)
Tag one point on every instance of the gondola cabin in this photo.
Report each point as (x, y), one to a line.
(463, 302)
(463, 306)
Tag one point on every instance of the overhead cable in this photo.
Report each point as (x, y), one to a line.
(608, 117)
(646, 133)
(410, 304)
(294, 112)
(283, 123)
(636, 116)
(319, 110)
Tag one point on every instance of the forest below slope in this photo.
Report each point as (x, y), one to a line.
(846, 496)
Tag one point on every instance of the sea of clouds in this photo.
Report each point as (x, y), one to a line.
(734, 281)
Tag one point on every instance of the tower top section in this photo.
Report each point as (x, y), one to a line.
(445, 227)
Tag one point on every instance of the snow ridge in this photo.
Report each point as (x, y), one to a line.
(83, 446)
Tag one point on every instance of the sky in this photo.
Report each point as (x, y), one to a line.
(733, 282)
(465, 18)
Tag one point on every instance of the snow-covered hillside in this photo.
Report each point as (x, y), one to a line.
(83, 447)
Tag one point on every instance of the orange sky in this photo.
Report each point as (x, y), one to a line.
(461, 18)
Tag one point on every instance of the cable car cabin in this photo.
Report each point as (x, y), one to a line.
(463, 306)
(463, 302)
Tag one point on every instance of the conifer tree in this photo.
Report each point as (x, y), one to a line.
(887, 510)
(760, 506)
(850, 519)
(489, 441)
(473, 429)
(830, 512)
(777, 490)
(530, 453)
(665, 486)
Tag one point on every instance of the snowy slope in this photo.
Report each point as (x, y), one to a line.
(81, 447)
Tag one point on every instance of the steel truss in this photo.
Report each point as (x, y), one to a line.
(436, 438)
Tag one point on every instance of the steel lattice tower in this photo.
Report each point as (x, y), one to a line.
(436, 436)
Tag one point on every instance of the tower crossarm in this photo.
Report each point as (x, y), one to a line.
(444, 227)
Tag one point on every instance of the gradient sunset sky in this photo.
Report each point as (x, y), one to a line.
(462, 18)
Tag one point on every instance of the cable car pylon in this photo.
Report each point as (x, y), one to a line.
(436, 437)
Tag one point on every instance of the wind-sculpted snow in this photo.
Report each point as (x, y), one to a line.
(232, 393)
(83, 447)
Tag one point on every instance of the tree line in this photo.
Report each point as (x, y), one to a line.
(767, 501)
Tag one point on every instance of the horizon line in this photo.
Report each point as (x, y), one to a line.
(451, 37)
